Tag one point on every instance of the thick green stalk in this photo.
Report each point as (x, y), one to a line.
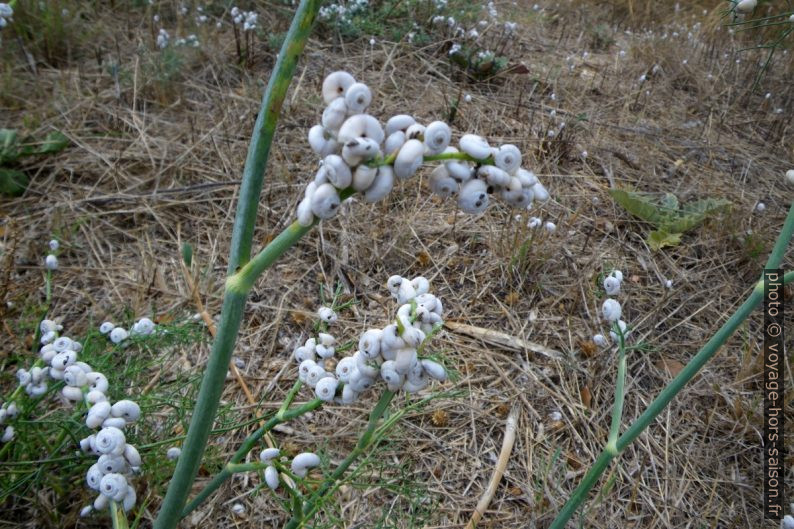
(363, 444)
(677, 384)
(242, 237)
(617, 410)
(245, 447)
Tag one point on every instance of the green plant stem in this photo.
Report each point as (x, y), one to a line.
(363, 444)
(617, 410)
(389, 160)
(242, 238)
(677, 384)
(246, 447)
(117, 516)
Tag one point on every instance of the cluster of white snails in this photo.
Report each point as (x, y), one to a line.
(390, 354)
(361, 155)
(611, 309)
(8, 412)
(247, 19)
(118, 460)
(142, 327)
(300, 465)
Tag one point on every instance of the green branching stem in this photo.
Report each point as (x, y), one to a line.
(247, 445)
(365, 441)
(242, 239)
(677, 384)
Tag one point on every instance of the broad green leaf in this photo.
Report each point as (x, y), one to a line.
(12, 182)
(637, 204)
(660, 238)
(53, 142)
(694, 213)
(8, 146)
(670, 202)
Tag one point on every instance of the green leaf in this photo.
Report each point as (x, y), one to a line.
(12, 182)
(660, 238)
(187, 254)
(638, 205)
(8, 146)
(53, 142)
(694, 213)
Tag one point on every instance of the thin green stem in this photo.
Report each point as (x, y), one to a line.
(677, 384)
(364, 442)
(788, 277)
(242, 238)
(617, 410)
(289, 398)
(246, 447)
(117, 516)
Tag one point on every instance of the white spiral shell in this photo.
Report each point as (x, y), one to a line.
(508, 158)
(611, 310)
(475, 146)
(473, 197)
(326, 388)
(110, 440)
(358, 97)
(113, 486)
(381, 186)
(127, 410)
(437, 137)
(335, 85)
(441, 183)
(271, 477)
(409, 159)
(325, 201)
(303, 462)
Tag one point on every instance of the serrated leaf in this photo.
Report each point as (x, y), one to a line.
(659, 239)
(638, 205)
(8, 145)
(12, 182)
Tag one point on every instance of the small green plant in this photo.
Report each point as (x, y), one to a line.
(14, 180)
(670, 219)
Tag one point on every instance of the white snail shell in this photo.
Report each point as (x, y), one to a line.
(115, 422)
(268, 454)
(304, 213)
(118, 335)
(611, 286)
(381, 186)
(434, 370)
(441, 183)
(132, 456)
(358, 382)
(334, 114)
(63, 360)
(271, 477)
(494, 176)
(86, 511)
(349, 395)
(62, 344)
(437, 137)
(363, 177)
(540, 192)
(404, 359)
(48, 326)
(47, 353)
(475, 146)
(97, 381)
(359, 150)
(364, 367)
(114, 486)
(508, 158)
(409, 159)
(337, 171)
(302, 354)
(106, 327)
(394, 141)
(316, 373)
(600, 340)
(109, 464)
(746, 6)
(93, 477)
(415, 132)
(97, 414)
(326, 314)
(303, 462)
(173, 453)
(389, 374)
(325, 351)
(361, 126)
(400, 122)
(144, 327)
(127, 410)
(358, 97)
(128, 502)
(527, 178)
(617, 274)
(622, 326)
(325, 201)
(344, 368)
(74, 376)
(421, 285)
(95, 396)
(101, 503)
(110, 440)
(335, 85)
(321, 142)
(305, 368)
(473, 197)
(326, 388)
(72, 393)
(611, 310)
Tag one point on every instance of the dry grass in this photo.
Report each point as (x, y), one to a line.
(150, 168)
